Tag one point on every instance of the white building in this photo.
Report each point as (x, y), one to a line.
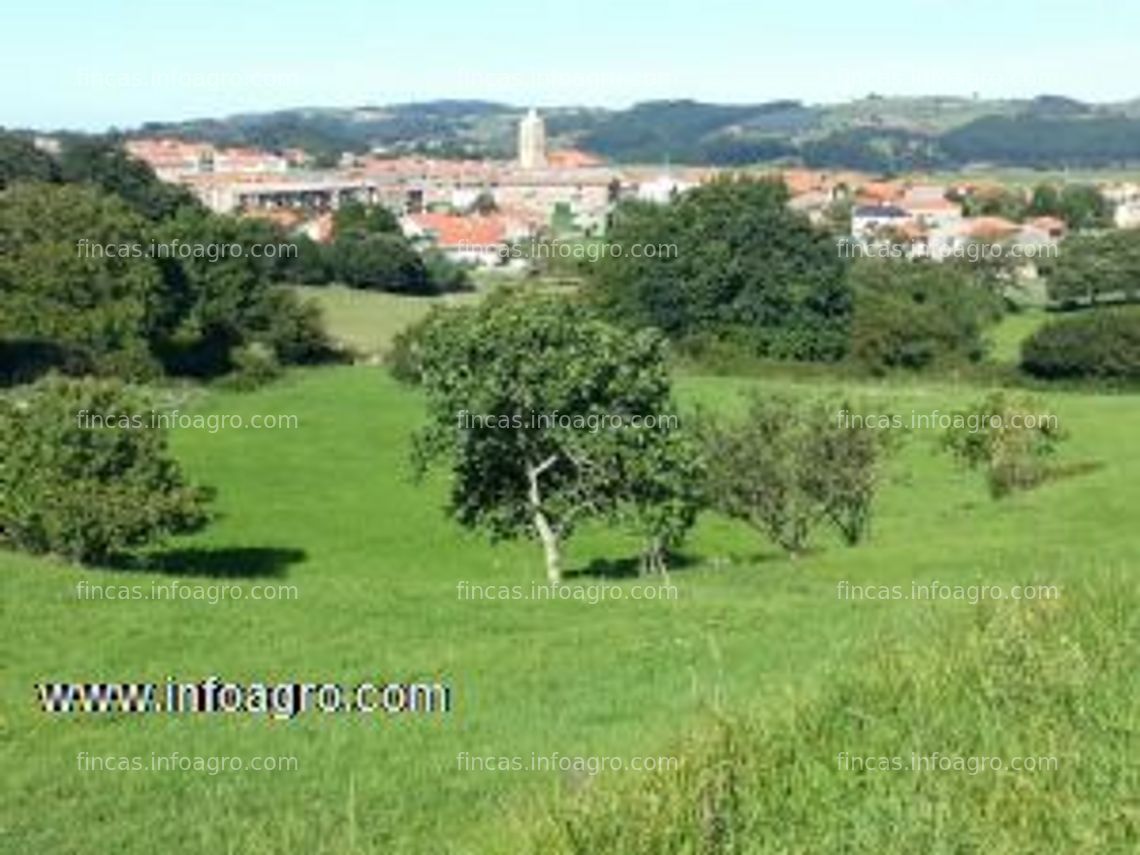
(662, 189)
(1125, 199)
(868, 222)
(532, 141)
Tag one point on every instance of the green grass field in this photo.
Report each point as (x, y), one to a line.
(366, 321)
(329, 507)
(1005, 339)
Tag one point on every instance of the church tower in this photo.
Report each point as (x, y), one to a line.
(532, 141)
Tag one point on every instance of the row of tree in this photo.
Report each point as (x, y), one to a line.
(749, 275)
(744, 269)
(490, 374)
(369, 250)
(201, 309)
(70, 302)
(1080, 206)
(746, 276)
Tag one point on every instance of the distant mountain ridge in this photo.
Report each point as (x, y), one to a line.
(876, 133)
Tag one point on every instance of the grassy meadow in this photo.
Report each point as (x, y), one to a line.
(365, 321)
(329, 507)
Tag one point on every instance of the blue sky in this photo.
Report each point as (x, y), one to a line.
(89, 65)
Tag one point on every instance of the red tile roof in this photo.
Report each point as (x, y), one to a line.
(453, 230)
(990, 227)
(1051, 225)
(571, 158)
(880, 191)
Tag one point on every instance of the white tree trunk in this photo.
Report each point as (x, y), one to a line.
(549, 547)
(546, 532)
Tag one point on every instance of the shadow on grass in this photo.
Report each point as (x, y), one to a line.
(1074, 469)
(626, 568)
(218, 562)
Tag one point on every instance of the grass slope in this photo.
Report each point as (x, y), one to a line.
(329, 508)
(367, 321)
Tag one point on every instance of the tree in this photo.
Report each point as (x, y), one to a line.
(787, 466)
(996, 202)
(444, 274)
(1095, 267)
(1009, 437)
(1083, 207)
(103, 163)
(91, 286)
(355, 219)
(310, 265)
(757, 474)
(658, 473)
(849, 453)
(217, 298)
(1045, 202)
(20, 160)
(915, 315)
(86, 474)
(484, 204)
(71, 280)
(381, 261)
(1098, 344)
(521, 392)
(735, 263)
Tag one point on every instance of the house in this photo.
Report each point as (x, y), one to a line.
(249, 161)
(869, 222)
(171, 159)
(929, 206)
(814, 203)
(803, 181)
(662, 188)
(878, 193)
(571, 158)
(989, 229)
(174, 160)
(482, 241)
(1125, 199)
(320, 228)
(1053, 227)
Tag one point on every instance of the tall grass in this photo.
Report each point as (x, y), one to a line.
(1056, 679)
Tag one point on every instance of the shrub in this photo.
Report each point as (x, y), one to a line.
(1010, 438)
(741, 263)
(405, 357)
(384, 262)
(85, 475)
(255, 364)
(292, 328)
(444, 274)
(789, 466)
(63, 295)
(915, 315)
(1097, 268)
(1103, 343)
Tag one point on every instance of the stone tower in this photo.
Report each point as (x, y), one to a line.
(532, 141)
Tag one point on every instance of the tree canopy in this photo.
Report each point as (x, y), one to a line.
(744, 267)
(523, 398)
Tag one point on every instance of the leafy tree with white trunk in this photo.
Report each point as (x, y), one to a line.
(523, 394)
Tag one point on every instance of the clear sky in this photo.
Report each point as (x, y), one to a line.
(94, 63)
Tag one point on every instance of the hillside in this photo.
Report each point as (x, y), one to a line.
(875, 133)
